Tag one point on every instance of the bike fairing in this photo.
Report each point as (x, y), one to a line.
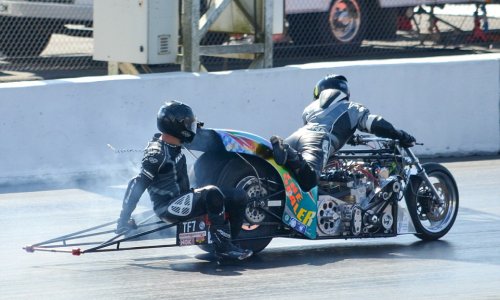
(300, 210)
(241, 141)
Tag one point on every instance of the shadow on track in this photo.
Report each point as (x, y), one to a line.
(313, 255)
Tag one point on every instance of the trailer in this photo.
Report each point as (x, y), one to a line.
(346, 23)
(27, 25)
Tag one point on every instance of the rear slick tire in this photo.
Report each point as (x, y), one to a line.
(238, 174)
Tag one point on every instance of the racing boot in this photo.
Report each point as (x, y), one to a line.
(286, 156)
(280, 150)
(224, 248)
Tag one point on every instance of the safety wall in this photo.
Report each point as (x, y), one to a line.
(61, 128)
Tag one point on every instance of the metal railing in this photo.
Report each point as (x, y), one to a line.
(348, 29)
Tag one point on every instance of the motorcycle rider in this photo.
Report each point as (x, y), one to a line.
(164, 174)
(329, 122)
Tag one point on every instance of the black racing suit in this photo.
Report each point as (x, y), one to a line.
(164, 175)
(327, 127)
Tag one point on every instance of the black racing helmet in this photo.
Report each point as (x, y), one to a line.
(332, 81)
(177, 119)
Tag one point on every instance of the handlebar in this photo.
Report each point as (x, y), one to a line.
(358, 139)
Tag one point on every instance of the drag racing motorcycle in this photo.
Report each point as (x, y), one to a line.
(375, 188)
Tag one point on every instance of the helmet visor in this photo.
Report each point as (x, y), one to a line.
(194, 125)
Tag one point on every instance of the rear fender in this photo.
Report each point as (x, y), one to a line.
(300, 208)
(217, 140)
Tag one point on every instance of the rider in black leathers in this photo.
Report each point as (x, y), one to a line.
(164, 174)
(329, 122)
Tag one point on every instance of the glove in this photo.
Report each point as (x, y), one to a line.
(353, 140)
(123, 226)
(406, 140)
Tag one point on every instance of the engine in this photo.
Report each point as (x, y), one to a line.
(336, 217)
(356, 200)
(351, 187)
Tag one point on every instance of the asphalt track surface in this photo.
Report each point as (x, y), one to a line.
(465, 264)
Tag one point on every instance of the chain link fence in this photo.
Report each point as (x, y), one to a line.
(57, 34)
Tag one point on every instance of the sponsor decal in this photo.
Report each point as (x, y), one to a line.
(189, 226)
(276, 203)
(186, 242)
(195, 234)
(202, 225)
(192, 238)
(297, 225)
(294, 194)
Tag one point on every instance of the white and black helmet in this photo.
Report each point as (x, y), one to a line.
(332, 82)
(177, 119)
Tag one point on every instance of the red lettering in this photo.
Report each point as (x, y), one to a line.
(293, 193)
(293, 200)
(286, 178)
(299, 197)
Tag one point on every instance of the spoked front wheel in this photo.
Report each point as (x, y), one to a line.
(433, 218)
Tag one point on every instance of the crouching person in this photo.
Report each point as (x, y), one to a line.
(164, 175)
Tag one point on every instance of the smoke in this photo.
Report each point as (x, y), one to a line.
(96, 193)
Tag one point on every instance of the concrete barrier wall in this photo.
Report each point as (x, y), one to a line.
(62, 127)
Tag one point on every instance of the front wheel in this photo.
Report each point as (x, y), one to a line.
(431, 219)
